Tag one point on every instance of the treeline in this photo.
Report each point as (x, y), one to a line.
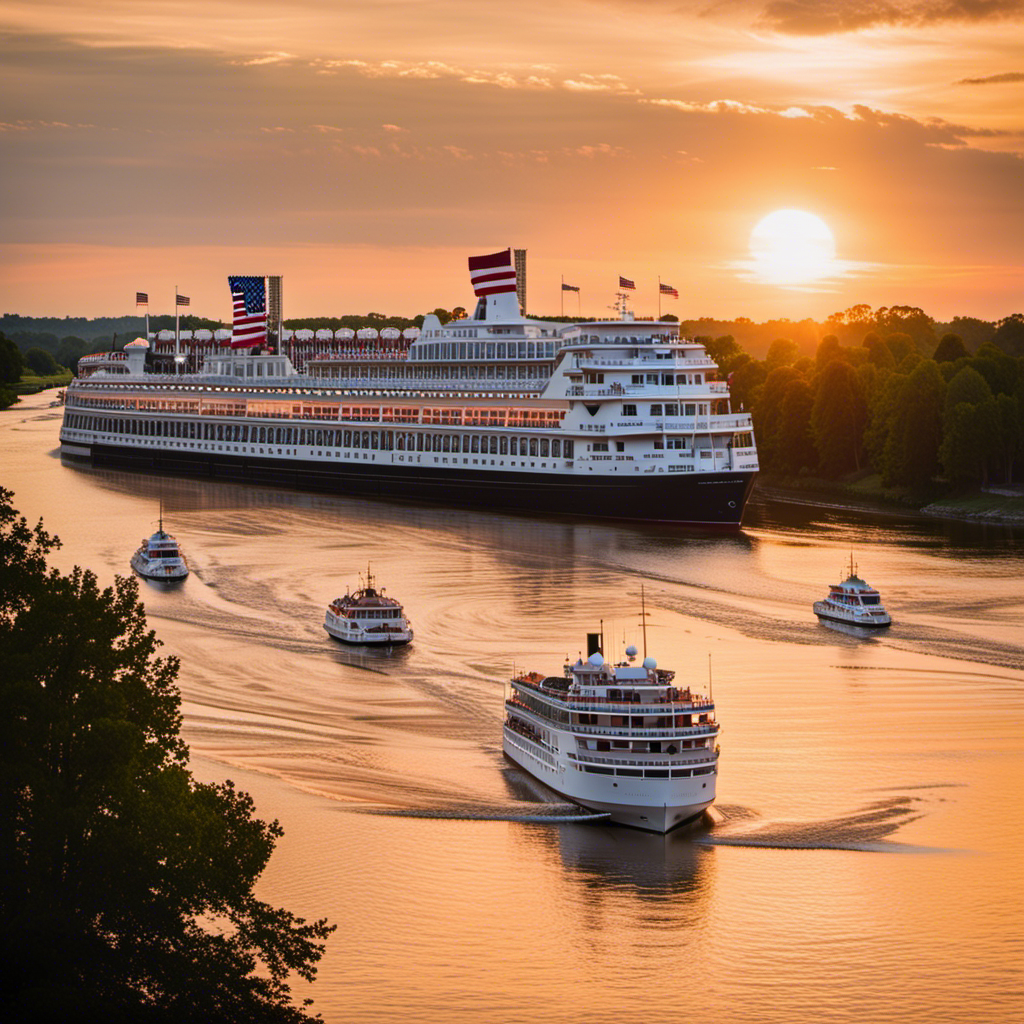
(923, 412)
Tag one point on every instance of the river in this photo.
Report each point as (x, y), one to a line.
(862, 862)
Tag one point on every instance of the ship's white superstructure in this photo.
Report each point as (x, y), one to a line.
(620, 739)
(368, 617)
(854, 602)
(619, 419)
(159, 558)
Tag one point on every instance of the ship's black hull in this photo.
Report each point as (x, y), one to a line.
(692, 499)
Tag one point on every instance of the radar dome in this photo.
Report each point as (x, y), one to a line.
(596, 659)
(650, 663)
(631, 651)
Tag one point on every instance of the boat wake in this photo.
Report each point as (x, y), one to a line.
(548, 814)
(866, 830)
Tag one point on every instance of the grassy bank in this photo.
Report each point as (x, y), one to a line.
(31, 385)
(867, 491)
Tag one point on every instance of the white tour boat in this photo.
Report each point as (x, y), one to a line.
(368, 617)
(617, 419)
(620, 739)
(159, 557)
(854, 602)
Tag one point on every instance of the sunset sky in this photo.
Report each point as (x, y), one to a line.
(364, 151)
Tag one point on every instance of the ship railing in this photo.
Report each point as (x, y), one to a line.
(579, 702)
(678, 760)
(583, 391)
(710, 729)
(662, 364)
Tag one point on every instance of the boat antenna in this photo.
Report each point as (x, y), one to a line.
(711, 692)
(643, 618)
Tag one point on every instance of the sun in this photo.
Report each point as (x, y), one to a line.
(792, 247)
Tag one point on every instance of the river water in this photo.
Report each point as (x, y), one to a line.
(863, 861)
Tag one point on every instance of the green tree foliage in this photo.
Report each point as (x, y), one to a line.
(828, 349)
(915, 428)
(12, 364)
(879, 353)
(126, 886)
(781, 352)
(966, 386)
(41, 363)
(901, 346)
(965, 453)
(745, 382)
(725, 351)
(908, 320)
(795, 450)
(950, 349)
(838, 418)
(70, 350)
(1009, 334)
(767, 414)
(974, 332)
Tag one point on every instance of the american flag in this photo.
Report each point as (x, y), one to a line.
(624, 282)
(570, 287)
(182, 300)
(492, 274)
(141, 299)
(249, 326)
(667, 289)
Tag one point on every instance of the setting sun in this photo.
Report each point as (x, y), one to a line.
(792, 247)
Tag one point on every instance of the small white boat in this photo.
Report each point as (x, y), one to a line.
(854, 602)
(159, 557)
(368, 617)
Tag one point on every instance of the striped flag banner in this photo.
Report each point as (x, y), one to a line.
(249, 323)
(624, 282)
(141, 299)
(667, 289)
(183, 300)
(570, 287)
(492, 274)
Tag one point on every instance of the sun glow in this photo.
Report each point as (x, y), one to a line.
(792, 247)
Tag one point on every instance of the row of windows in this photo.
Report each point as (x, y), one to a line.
(488, 350)
(667, 378)
(448, 415)
(383, 440)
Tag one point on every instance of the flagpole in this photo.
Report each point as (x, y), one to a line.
(177, 333)
(659, 296)
(561, 295)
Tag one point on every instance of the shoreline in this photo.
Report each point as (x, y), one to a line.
(981, 507)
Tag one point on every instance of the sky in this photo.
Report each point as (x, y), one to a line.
(365, 150)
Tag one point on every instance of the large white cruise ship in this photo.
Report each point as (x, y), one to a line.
(615, 419)
(619, 739)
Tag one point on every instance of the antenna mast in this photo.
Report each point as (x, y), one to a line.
(643, 619)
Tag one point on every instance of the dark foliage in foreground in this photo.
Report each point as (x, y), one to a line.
(126, 887)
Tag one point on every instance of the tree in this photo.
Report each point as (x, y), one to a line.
(41, 363)
(126, 886)
(879, 353)
(950, 349)
(70, 350)
(828, 349)
(794, 440)
(443, 315)
(1009, 335)
(901, 346)
(767, 413)
(838, 418)
(11, 363)
(723, 350)
(781, 352)
(912, 449)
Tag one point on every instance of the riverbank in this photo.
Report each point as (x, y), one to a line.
(999, 505)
